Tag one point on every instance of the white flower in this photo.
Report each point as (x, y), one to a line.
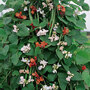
(30, 79)
(64, 43)
(25, 8)
(68, 72)
(39, 9)
(26, 49)
(55, 67)
(61, 48)
(42, 32)
(68, 78)
(48, 1)
(50, 6)
(54, 71)
(54, 87)
(25, 60)
(26, 2)
(44, 4)
(54, 37)
(22, 81)
(64, 52)
(45, 87)
(40, 67)
(70, 75)
(41, 12)
(68, 54)
(15, 28)
(77, 12)
(59, 1)
(44, 63)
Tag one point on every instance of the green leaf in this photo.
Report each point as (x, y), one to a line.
(43, 24)
(15, 73)
(27, 22)
(71, 19)
(80, 86)
(86, 7)
(23, 30)
(83, 56)
(52, 60)
(13, 39)
(4, 51)
(35, 22)
(86, 77)
(37, 51)
(33, 39)
(68, 39)
(77, 75)
(63, 20)
(51, 77)
(29, 87)
(69, 11)
(59, 54)
(15, 58)
(62, 80)
(1, 7)
(81, 24)
(56, 2)
(7, 20)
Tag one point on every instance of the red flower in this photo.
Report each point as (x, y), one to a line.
(32, 62)
(35, 74)
(83, 67)
(20, 16)
(61, 9)
(42, 45)
(65, 31)
(33, 9)
(35, 58)
(32, 26)
(38, 78)
(49, 24)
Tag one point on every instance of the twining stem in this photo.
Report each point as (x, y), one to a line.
(5, 77)
(53, 21)
(30, 16)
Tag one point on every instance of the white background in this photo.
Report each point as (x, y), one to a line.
(87, 18)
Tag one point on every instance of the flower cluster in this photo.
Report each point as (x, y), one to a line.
(33, 27)
(65, 31)
(41, 12)
(33, 9)
(53, 87)
(55, 67)
(42, 45)
(23, 81)
(24, 71)
(32, 62)
(15, 28)
(43, 63)
(61, 9)
(55, 26)
(42, 32)
(38, 78)
(25, 60)
(26, 49)
(20, 16)
(54, 37)
(67, 54)
(62, 44)
(25, 5)
(70, 75)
